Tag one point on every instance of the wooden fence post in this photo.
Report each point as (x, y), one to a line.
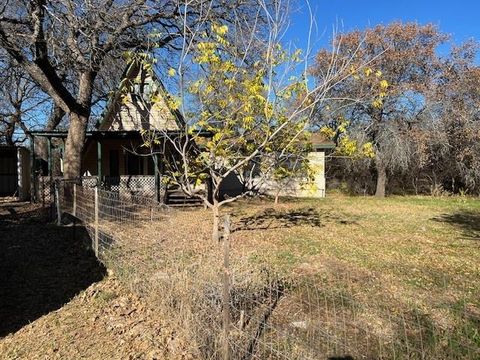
(74, 210)
(57, 200)
(226, 288)
(43, 191)
(95, 244)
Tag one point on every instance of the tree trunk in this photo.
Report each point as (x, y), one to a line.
(41, 144)
(277, 195)
(78, 127)
(216, 222)
(9, 132)
(381, 177)
(74, 146)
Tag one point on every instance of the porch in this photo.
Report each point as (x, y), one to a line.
(112, 160)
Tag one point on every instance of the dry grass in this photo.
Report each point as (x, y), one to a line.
(400, 273)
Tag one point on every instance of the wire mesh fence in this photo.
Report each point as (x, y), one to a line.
(101, 211)
(269, 316)
(227, 309)
(305, 321)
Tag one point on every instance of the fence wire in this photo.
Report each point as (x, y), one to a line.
(103, 211)
(261, 315)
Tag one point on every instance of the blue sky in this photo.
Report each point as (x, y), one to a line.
(460, 18)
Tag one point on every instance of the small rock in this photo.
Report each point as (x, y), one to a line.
(299, 324)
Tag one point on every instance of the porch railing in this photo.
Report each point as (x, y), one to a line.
(125, 185)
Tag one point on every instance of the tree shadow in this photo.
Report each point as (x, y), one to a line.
(467, 221)
(274, 219)
(42, 266)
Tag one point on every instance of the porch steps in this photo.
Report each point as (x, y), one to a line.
(176, 198)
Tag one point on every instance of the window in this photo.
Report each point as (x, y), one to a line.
(114, 163)
(134, 164)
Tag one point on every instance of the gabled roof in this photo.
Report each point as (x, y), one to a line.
(134, 110)
(320, 141)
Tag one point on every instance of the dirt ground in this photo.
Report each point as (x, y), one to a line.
(57, 301)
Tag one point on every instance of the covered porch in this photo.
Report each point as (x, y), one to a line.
(113, 160)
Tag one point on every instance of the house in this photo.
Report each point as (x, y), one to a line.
(314, 187)
(113, 151)
(14, 171)
(114, 154)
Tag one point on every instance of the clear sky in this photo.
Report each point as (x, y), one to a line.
(460, 18)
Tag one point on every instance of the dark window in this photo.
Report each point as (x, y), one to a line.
(134, 164)
(114, 163)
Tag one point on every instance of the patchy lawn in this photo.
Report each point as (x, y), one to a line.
(421, 249)
(402, 272)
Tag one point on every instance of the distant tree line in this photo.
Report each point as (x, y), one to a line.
(422, 118)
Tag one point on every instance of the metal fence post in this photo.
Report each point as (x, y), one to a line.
(57, 200)
(226, 288)
(95, 245)
(74, 209)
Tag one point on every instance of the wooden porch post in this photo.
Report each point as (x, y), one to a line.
(99, 161)
(50, 172)
(32, 169)
(49, 149)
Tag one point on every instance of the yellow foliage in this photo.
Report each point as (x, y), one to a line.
(342, 127)
(248, 121)
(217, 137)
(297, 55)
(377, 103)
(219, 29)
(328, 132)
(378, 73)
(368, 71)
(207, 53)
(173, 102)
(347, 146)
(171, 72)
(208, 89)
(384, 84)
(367, 150)
(125, 99)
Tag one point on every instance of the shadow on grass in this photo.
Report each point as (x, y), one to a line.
(467, 221)
(273, 219)
(42, 266)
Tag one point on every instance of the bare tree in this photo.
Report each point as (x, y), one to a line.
(20, 102)
(49, 39)
(451, 141)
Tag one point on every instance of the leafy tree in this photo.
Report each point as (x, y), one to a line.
(387, 95)
(251, 96)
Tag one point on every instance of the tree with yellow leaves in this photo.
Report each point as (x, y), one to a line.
(247, 105)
